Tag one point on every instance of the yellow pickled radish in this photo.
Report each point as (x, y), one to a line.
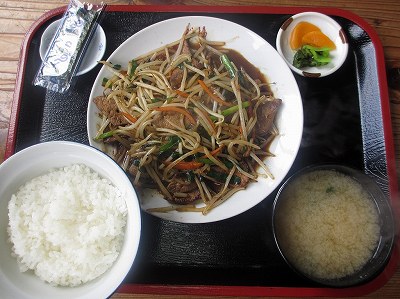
(317, 39)
(299, 31)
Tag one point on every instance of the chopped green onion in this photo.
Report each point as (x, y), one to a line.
(231, 110)
(228, 65)
(218, 176)
(105, 135)
(175, 155)
(236, 180)
(104, 82)
(132, 65)
(204, 161)
(235, 108)
(228, 164)
(232, 71)
(116, 66)
(173, 140)
(155, 100)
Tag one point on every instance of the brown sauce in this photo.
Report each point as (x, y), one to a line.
(240, 61)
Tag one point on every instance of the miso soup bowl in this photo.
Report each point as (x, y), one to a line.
(380, 254)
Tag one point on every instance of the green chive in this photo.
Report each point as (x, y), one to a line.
(104, 82)
(228, 65)
(105, 135)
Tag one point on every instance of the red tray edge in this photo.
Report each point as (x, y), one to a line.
(210, 290)
(12, 129)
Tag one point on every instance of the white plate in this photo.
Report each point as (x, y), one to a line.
(260, 53)
(93, 54)
(329, 27)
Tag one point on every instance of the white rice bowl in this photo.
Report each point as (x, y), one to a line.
(36, 161)
(67, 225)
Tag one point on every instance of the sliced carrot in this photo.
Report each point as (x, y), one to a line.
(191, 165)
(183, 165)
(177, 109)
(181, 93)
(318, 39)
(217, 150)
(129, 117)
(212, 95)
(299, 31)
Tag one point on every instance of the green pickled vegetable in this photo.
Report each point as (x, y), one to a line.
(308, 56)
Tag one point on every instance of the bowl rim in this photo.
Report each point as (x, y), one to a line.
(388, 213)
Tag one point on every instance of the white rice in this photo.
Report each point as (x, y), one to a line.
(67, 225)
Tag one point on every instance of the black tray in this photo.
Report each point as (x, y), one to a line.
(346, 121)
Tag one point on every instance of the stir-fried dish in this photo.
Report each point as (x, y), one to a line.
(189, 119)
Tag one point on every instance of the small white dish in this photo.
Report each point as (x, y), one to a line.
(94, 52)
(329, 27)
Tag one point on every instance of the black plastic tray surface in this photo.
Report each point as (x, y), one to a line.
(342, 124)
